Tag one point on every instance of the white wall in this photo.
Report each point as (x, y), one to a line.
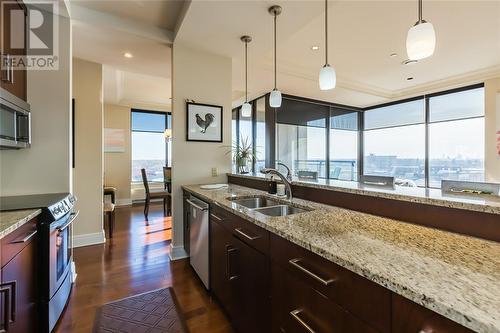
(45, 167)
(88, 172)
(492, 124)
(204, 78)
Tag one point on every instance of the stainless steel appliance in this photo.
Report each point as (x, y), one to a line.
(15, 122)
(198, 237)
(55, 250)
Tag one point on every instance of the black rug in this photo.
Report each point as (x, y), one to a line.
(156, 311)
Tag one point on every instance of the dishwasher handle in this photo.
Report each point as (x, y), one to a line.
(196, 205)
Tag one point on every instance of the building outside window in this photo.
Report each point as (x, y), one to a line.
(150, 149)
(260, 135)
(343, 145)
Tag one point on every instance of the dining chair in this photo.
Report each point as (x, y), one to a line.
(154, 194)
(167, 178)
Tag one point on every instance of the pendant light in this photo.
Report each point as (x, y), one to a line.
(246, 108)
(275, 97)
(421, 38)
(327, 76)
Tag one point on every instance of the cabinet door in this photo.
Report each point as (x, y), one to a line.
(222, 265)
(21, 272)
(250, 289)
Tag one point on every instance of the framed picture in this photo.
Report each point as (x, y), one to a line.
(204, 122)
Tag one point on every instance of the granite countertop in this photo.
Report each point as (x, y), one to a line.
(454, 275)
(11, 220)
(431, 196)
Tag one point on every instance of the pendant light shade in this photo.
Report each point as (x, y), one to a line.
(246, 108)
(421, 38)
(275, 97)
(327, 75)
(327, 78)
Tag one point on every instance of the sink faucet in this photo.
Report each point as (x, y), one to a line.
(288, 172)
(283, 179)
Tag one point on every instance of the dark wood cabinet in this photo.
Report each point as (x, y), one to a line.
(19, 280)
(13, 78)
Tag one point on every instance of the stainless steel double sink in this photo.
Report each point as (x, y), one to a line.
(268, 206)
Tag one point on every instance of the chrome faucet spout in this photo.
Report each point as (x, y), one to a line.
(288, 186)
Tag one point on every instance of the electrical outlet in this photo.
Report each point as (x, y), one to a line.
(215, 172)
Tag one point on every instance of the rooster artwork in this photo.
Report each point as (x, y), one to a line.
(204, 123)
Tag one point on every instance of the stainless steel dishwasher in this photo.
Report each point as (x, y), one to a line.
(198, 235)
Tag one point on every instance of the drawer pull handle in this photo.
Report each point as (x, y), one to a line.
(295, 315)
(216, 217)
(25, 239)
(238, 230)
(296, 263)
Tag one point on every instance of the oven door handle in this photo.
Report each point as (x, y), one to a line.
(71, 219)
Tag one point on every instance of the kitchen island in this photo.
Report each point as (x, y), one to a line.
(453, 275)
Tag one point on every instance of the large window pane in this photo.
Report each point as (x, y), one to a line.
(395, 115)
(397, 152)
(464, 104)
(260, 144)
(246, 131)
(148, 122)
(343, 154)
(456, 151)
(148, 152)
(302, 148)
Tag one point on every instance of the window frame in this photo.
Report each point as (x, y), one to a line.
(426, 98)
(167, 114)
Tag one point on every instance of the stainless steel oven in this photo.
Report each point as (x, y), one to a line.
(15, 122)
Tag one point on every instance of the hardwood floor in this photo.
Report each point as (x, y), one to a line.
(135, 261)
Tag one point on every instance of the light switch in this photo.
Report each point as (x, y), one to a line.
(215, 172)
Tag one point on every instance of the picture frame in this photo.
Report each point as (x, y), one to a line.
(204, 122)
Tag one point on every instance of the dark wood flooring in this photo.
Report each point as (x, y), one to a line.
(135, 261)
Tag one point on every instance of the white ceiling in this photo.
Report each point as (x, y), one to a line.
(362, 35)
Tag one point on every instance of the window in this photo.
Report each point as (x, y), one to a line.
(343, 145)
(394, 141)
(149, 147)
(260, 135)
(246, 130)
(456, 137)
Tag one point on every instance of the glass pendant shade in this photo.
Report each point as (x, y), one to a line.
(420, 41)
(275, 99)
(327, 78)
(246, 110)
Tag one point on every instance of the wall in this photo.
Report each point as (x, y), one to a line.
(45, 167)
(205, 78)
(117, 166)
(492, 122)
(88, 172)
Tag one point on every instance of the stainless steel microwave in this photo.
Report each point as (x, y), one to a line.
(15, 122)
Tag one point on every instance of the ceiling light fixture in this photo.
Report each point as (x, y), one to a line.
(409, 62)
(246, 108)
(275, 97)
(327, 75)
(392, 55)
(409, 78)
(421, 38)
(315, 47)
(128, 55)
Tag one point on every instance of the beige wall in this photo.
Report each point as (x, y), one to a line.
(117, 166)
(205, 78)
(45, 167)
(88, 172)
(492, 122)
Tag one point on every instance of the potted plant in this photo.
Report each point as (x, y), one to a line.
(243, 155)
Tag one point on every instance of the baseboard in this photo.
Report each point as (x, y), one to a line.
(177, 252)
(89, 239)
(124, 202)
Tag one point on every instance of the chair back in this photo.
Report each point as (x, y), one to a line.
(145, 181)
(167, 174)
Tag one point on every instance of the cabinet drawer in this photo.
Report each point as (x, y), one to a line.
(411, 317)
(363, 298)
(17, 240)
(298, 308)
(246, 231)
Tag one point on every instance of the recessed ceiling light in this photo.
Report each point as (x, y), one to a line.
(315, 47)
(409, 62)
(128, 55)
(409, 78)
(392, 55)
